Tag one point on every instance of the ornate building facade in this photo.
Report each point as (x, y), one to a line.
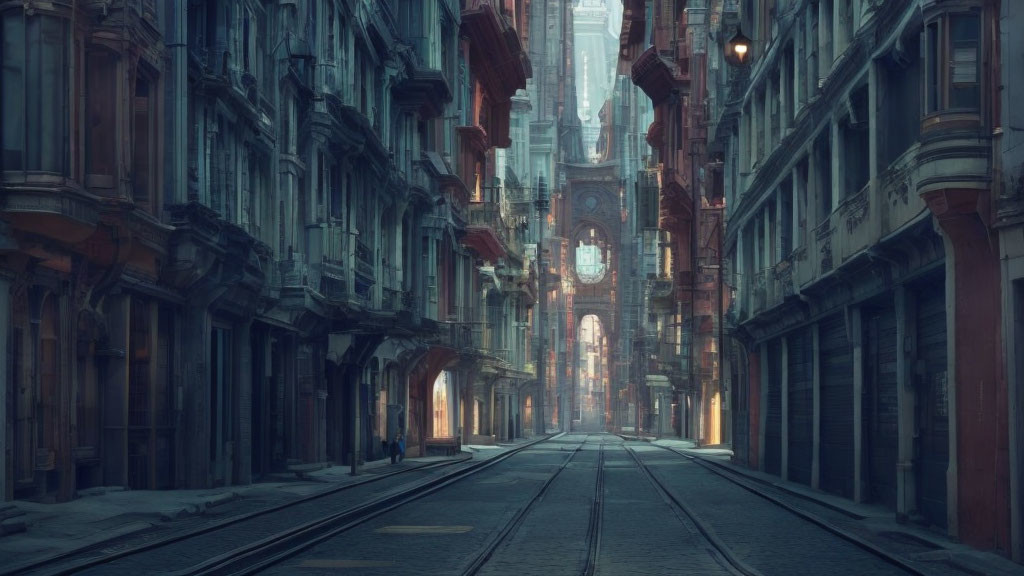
(245, 235)
(868, 240)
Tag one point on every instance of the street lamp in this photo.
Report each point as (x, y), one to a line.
(737, 50)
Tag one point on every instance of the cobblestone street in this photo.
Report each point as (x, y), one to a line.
(641, 531)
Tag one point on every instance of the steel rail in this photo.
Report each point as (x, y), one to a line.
(266, 552)
(803, 514)
(63, 563)
(718, 549)
(596, 518)
(517, 520)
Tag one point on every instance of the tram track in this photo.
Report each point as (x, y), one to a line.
(718, 548)
(510, 527)
(93, 560)
(596, 518)
(751, 487)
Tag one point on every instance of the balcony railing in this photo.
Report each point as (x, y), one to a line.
(519, 195)
(455, 335)
(364, 263)
(503, 354)
(759, 291)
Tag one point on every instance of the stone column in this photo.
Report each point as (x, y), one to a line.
(770, 96)
(857, 338)
(836, 151)
(115, 393)
(797, 64)
(824, 38)
(195, 420)
(763, 405)
(784, 395)
(5, 328)
(906, 339)
(979, 476)
(243, 386)
(796, 241)
(815, 406)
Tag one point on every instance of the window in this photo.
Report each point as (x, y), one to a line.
(965, 47)
(33, 93)
(144, 144)
(953, 72)
(591, 262)
(101, 110)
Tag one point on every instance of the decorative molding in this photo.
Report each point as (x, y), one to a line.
(856, 210)
(826, 254)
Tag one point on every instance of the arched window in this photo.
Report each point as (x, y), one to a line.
(592, 254)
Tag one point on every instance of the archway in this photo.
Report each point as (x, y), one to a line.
(442, 395)
(592, 376)
(593, 254)
(528, 414)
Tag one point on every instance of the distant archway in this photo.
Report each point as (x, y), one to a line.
(592, 375)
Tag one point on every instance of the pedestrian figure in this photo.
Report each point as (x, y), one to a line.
(393, 449)
(401, 447)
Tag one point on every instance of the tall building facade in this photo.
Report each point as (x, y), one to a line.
(870, 166)
(680, 225)
(245, 235)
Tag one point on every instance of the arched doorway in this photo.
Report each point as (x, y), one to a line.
(441, 400)
(592, 375)
(528, 415)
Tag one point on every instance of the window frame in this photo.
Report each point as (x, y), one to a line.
(38, 155)
(938, 48)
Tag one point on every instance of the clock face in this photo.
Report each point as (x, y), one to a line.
(590, 203)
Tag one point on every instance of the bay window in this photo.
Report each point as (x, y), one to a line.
(953, 63)
(33, 92)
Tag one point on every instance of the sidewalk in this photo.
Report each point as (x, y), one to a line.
(103, 515)
(873, 523)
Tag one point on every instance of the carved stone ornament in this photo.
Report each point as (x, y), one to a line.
(857, 211)
(826, 254)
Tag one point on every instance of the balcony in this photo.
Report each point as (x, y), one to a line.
(423, 88)
(519, 195)
(454, 335)
(49, 205)
(486, 233)
(759, 291)
(656, 75)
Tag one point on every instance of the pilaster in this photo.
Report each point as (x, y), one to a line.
(906, 342)
(784, 472)
(816, 406)
(979, 436)
(857, 338)
(5, 369)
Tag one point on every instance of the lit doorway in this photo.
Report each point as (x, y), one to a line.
(442, 394)
(589, 412)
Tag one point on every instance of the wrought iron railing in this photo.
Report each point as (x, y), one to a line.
(364, 261)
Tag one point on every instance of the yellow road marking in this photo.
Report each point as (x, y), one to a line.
(423, 529)
(328, 563)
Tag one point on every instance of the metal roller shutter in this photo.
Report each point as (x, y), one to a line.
(801, 405)
(880, 414)
(836, 448)
(932, 450)
(773, 423)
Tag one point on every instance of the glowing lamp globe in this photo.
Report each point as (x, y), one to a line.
(737, 50)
